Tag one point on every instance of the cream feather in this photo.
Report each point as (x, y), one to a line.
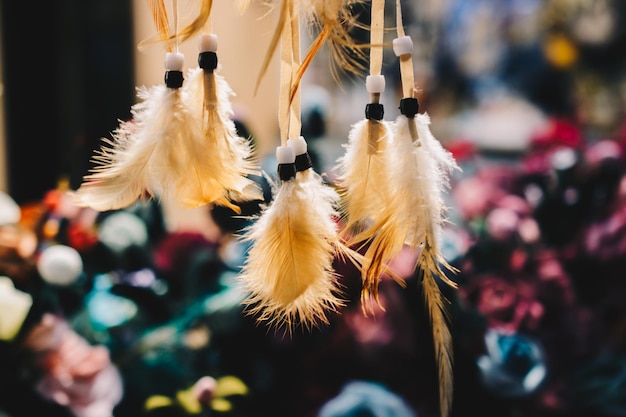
(109, 185)
(368, 202)
(125, 166)
(364, 172)
(429, 179)
(219, 159)
(289, 272)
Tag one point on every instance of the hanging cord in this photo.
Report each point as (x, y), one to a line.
(295, 118)
(375, 82)
(174, 60)
(289, 104)
(403, 48)
(285, 154)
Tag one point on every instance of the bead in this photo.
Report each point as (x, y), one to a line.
(375, 84)
(409, 107)
(207, 42)
(207, 61)
(303, 162)
(285, 155)
(403, 46)
(299, 145)
(174, 79)
(174, 61)
(286, 171)
(374, 111)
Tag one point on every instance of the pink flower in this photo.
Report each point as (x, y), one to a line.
(75, 374)
(508, 305)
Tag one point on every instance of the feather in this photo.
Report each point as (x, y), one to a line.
(365, 181)
(364, 172)
(425, 221)
(196, 25)
(335, 19)
(289, 273)
(436, 304)
(125, 168)
(444, 158)
(220, 158)
(119, 177)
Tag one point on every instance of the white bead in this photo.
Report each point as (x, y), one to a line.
(207, 42)
(174, 61)
(403, 46)
(285, 155)
(375, 84)
(60, 265)
(299, 145)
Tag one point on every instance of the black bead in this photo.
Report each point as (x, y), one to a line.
(174, 79)
(286, 171)
(207, 61)
(374, 111)
(409, 107)
(303, 162)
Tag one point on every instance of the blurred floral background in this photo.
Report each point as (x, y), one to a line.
(119, 314)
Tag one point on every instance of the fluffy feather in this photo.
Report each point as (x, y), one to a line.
(364, 172)
(288, 273)
(367, 200)
(219, 159)
(335, 19)
(444, 158)
(125, 169)
(429, 179)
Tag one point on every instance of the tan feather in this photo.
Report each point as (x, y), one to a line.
(289, 273)
(126, 167)
(364, 173)
(196, 25)
(219, 159)
(274, 42)
(333, 20)
(119, 177)
(442, 339)
(160, 18)
(337, 18)
(365, 180)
